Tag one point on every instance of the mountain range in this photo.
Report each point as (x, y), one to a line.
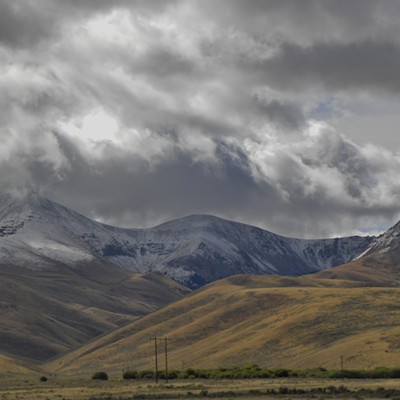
(67, 281)
(35, 232)
(349, 312)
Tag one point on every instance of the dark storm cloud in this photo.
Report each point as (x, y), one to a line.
(177, 186)
(21, 25)
(181, 186)
(308, 20)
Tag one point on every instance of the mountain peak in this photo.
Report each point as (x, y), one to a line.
(193, 250)
(387, 244)
(26, 206)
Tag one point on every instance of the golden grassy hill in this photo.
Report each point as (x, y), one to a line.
(272, 321)
(380, 266)
(12, 367)
(365, 270)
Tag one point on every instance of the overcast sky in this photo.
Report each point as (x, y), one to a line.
(279, 113)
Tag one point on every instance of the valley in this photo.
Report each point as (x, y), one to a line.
(78, 297)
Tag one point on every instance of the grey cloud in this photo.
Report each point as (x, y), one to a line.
(161, 62)
(346, 158)
(26, 23)
(364, 66)
(22, 24)
(308, 21)
(285, 114)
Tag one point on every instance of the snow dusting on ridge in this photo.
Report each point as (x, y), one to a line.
(193, 250)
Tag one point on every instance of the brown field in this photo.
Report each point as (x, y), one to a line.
(28, 387)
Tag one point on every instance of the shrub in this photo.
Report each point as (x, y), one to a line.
(100, 375)
(43, 379)
(129, 375)
(146, 374)
(283, 390)
(281, 373)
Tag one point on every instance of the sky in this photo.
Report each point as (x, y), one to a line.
(283, 114)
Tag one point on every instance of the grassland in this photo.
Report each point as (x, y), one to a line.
(276, 322)
(83, 388)
(272, 321)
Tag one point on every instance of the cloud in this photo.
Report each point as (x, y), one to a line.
(361, 66)
(22, 24)
(135, 112)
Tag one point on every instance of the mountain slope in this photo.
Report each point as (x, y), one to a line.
(272, 321)
(10, 367)
(194, 250)
(51, 311)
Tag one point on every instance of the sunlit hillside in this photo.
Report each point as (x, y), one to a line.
(271, 321)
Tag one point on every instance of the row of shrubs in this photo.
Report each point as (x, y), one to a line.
(341, 392)
(254, 372)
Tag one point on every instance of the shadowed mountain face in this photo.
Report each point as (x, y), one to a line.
(52, 311)
(36, 232)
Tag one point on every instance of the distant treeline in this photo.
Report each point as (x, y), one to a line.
(255, 371)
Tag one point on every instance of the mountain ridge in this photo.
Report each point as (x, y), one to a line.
(378, 265)
(193, 250)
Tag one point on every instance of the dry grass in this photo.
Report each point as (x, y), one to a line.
(271, 321)
(59, 387)
(376, 269)
(10, 368)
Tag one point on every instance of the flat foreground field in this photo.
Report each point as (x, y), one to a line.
(66, 388)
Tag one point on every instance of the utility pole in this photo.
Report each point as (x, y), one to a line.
(341, 366)
(166, 359)
(165, 339)
(156, 358)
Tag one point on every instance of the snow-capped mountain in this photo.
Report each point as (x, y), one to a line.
(194, 250)
(386, 247)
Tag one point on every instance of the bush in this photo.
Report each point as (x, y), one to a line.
(43, 379)
(146, 374)
(100, 375)
(129, 375)
(283, 390)
(281, 373)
